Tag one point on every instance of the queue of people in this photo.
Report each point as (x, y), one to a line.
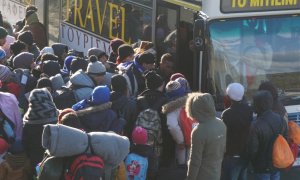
(151, 124)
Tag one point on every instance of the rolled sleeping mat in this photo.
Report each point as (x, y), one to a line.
(61, 141)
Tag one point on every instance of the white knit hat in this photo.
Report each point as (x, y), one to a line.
(235, 91)
(95, 67)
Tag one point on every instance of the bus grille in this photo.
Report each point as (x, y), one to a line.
(294, 117)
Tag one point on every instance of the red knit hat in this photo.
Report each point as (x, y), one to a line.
(139, 135)
(175, 76)
(3, 146)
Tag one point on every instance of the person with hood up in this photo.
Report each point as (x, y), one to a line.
(95, 113)
(27, 38)
(277, 106)
(37, 29)
(41, 111)
(263, 130)
(15, 48)
(208, 142)
(61, 51)
(177, 98)
(237, 118)
(122, 104)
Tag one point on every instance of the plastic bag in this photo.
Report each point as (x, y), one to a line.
(294, 132)
(282, 155)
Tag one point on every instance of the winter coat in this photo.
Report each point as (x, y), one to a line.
(100, 118)
(238, 118)
(207, 146)
(133, 75)
(263, 130)
(172, 110)
(81, 79)
(124, 107)
(37, 29)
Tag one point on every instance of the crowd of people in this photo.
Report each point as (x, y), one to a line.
(173, 132)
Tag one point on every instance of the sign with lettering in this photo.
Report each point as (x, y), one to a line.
(230, 6)
(100, 17)
(81, 40)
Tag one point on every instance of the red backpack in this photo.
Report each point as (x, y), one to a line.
(187, 126)
(86, 167)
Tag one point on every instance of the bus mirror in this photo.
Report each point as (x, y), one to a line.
(199, 34)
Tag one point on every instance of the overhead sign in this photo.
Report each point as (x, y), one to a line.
(230, 6)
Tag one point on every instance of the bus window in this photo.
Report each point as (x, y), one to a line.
(251, 52)
(53, 25)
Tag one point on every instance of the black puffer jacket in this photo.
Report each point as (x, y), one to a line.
(263, 132)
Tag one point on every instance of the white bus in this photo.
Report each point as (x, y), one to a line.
(214, 42)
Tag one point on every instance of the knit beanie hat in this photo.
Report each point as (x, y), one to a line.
(115, 44)
(175, 76)
(2, 54)
(42, 109)
(44, 83)
(95, 67)
(51, 68)
(3, 32)
(23, 60)
(17, 46)
(100, 95)
(95, 51)
(26, 37)
(153, 80)
(184, 84)
(4, 73)
(124, 51)
(3, 146)
(47, 50)
(119, 83)
(235, 91)
(174, 90)
(200, 106)
(139, 135)
(78, 63)
(57, 81)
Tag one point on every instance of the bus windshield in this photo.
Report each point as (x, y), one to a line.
(253, 50)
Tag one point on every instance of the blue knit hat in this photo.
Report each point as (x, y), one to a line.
(67, 63)
(174, 90)
(100, 95)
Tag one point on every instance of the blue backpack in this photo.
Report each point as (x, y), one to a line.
(136, 167)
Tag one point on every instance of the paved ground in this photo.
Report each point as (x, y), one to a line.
(293, 174)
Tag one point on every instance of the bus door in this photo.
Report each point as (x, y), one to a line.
(174, 34)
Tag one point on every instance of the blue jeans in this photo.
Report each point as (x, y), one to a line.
(267, 176)
(234, 168)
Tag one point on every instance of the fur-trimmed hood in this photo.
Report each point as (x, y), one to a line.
(173, 105)
(92, 109)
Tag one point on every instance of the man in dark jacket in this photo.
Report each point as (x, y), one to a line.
(262, 134)
(237, 119)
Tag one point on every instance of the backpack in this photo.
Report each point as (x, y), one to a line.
(187, 125)
(51, 168)
(136, 167)
(150, 120)
(86, 166)
(64, 98)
